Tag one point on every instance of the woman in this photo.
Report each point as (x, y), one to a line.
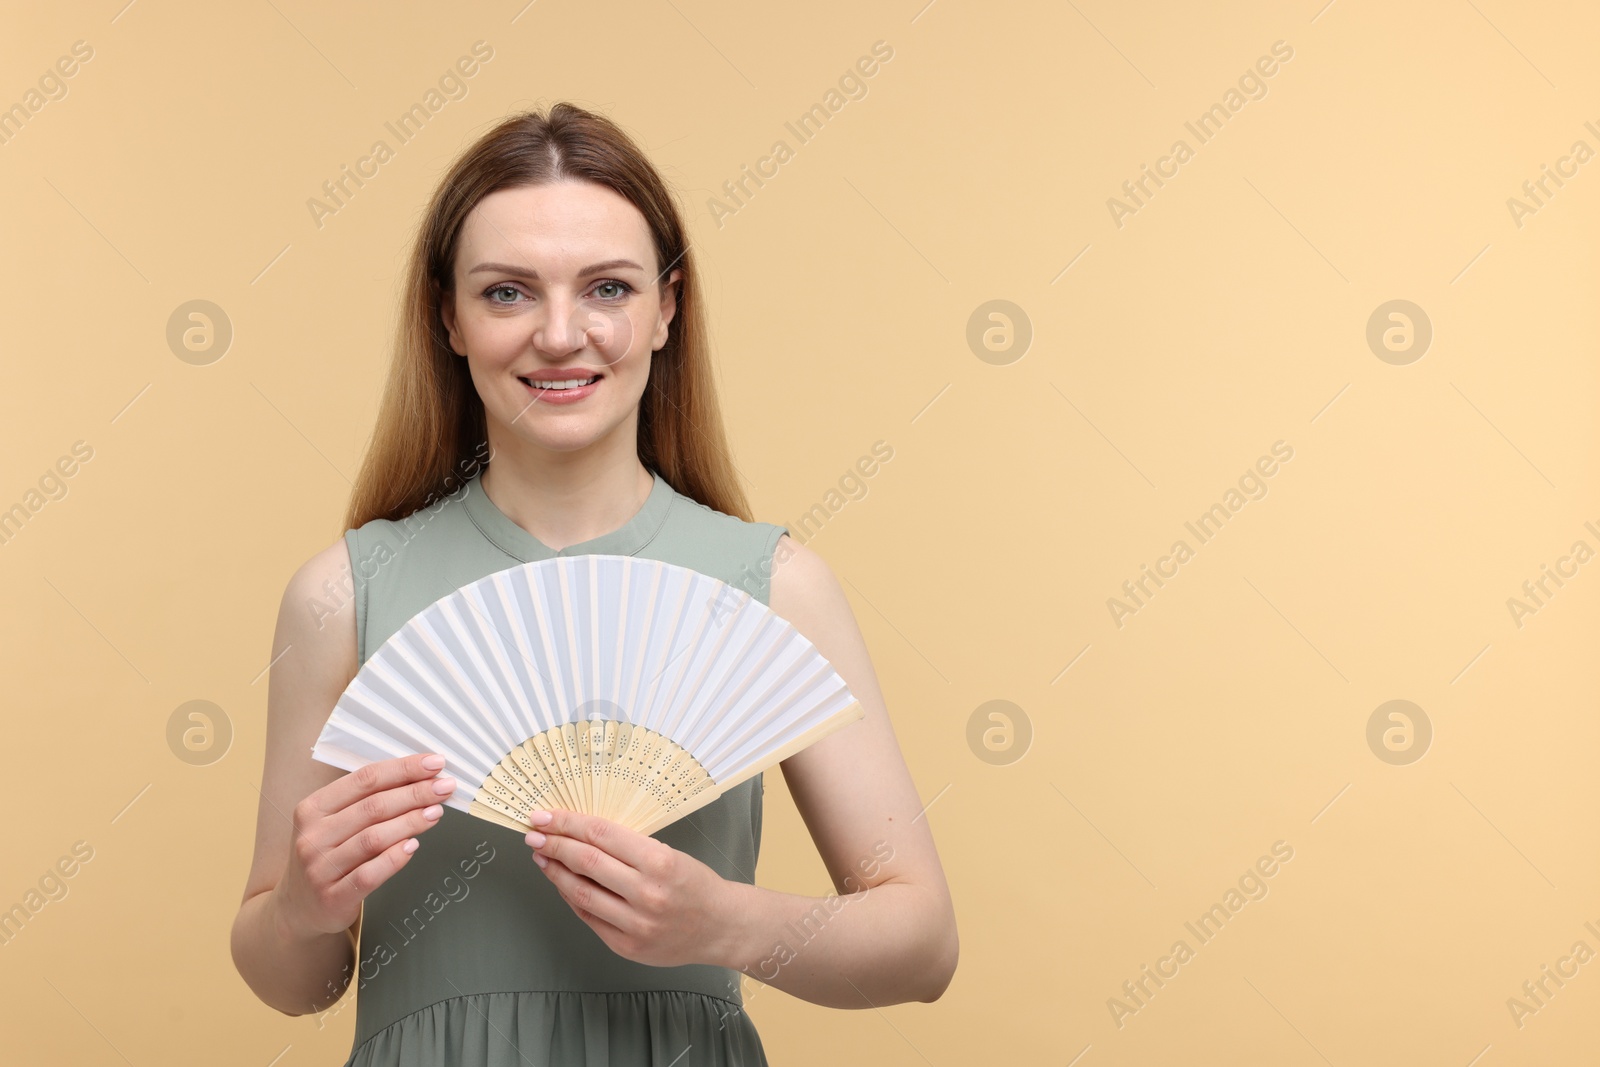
(552, 395)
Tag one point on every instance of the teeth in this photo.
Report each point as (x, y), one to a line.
(569, 384)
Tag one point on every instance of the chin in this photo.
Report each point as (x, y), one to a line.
(573, 435)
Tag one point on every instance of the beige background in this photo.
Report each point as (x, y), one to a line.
(1229, 312)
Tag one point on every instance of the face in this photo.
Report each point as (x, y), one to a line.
(558, 282)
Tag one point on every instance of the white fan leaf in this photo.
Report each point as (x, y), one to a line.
(629, 688)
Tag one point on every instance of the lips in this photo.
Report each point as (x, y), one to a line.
(555, 384)
(544, 394)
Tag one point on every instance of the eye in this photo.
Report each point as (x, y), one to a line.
(502, 288)
(623, 287)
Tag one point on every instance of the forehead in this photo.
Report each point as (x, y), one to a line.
(556, 227)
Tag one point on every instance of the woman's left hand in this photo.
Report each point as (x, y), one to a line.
(646, 900)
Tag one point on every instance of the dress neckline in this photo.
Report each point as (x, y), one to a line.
(522, 546)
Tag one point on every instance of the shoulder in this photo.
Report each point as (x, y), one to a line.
(429, 533)
(686, 508)
(706, 519)
(725, 546)
(807, 593)
(330, 564)
(315, 614)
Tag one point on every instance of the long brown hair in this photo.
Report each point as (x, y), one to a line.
(431, 433)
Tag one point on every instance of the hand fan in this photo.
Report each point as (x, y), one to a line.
(628, 688)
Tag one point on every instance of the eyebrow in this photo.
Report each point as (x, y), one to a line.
(528, 272)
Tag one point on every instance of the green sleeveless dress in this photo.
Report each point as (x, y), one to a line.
(468, 955)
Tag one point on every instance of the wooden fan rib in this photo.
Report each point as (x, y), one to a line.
(489, 814)
(529, 788)
(542, 788)
(606, 768)
(669, 775)
(524, 592)
(492, 795)
(560, 710)
(560, 756)
(617, 736)
(517, 776)
(652, 756)
(507, 680)
(498, 703)
(538, 759)
(631, 771)
(836, 722)
(613, 691)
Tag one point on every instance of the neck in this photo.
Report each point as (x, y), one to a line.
(565, 498)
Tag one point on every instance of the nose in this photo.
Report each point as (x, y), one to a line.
(565, 327)
(559, 329)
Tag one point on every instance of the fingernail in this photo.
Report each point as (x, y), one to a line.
(433, 812)
(409, 846)
(534, 838)
(444, 786)
(539, 818)
(433, 763)
(540, 860)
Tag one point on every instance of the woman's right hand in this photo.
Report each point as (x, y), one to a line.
(351, 836)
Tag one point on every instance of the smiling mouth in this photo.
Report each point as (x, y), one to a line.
(559, 386)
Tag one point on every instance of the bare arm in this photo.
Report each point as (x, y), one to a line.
(890, 936)
(324, 838)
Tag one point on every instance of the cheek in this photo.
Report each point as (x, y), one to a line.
(622, 340)
(502, 344)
